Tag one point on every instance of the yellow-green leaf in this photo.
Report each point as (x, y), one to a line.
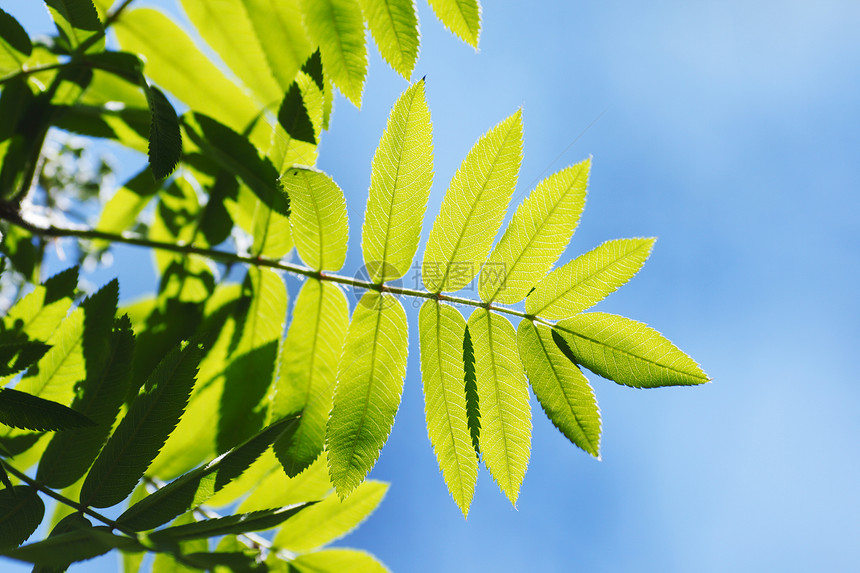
(400, 181)
(463, 17)
(588, 279)
(473, 208)
(536, 236)
(278, 25)
(628, 352)
(442, 329)
(503, 399)
(334, 560)
(394, 25)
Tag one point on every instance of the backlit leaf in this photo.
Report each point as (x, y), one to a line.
(442, 329)
(294, 117)
(536, 236)
(473, 208)
(232, 524)
(628, 352)
(278, 25)
(337, 27)
(40, 313)
(142, 432)
(400, 181)
(394, 25)
(369, 386)
(77, 21)
(275, 489)
(333, 560)
(319, 219)
(330, 519)
(21, 512)
(121, 211)
(503, 395)
(165, 140)
(79, 545)
(588, 279)
(463, 17)
(560, 387)
(309, 371)
(15, 44)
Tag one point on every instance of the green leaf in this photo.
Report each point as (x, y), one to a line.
(536, 236)
(369, 386)
(21, 512)
(588, 279)
(473, 412)
(463, 17)
(197, 486)
(77, 21)
(251, 368)
(193, 78)
(337, 27)
(174, 561)
(232, 561)
(294, 117)
(15, 45)
(560, 387)
(275, 489)
(122, 210)
(17, 353)
(226, 26)
(400, 183)
(71, 523)
(319, 219)
(442, 329)
(503, 394)
(40, 313)
(232, 524)
(142, 432)
(330, 519)
(335, 560)
(309, 371)
(79, 545)
(278, 26)
(165, 139)
(473, 208)
(285, 150)
(394, 25)
(70, 454)
(628, 352)
(22, 410)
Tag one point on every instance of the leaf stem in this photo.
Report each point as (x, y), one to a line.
(66, 501)
(228, 257)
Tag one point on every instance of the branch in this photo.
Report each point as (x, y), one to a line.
(15, 218)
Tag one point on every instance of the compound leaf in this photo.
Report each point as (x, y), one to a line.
(319, 220)
(473, 208)
(463, 17)
(536, 236)
(588, 279)
(21, 512)
(369, 386)
(505, 438)
(232, 524)
(400, 181)
(330, 519)
(560, 387)
(309, 371)
(394, 25)
(628, 352)
(337, 27)
(142, 432)
(442, 329)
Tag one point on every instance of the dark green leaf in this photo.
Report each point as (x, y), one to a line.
(15, 45)
(21, 410)
(195, 487)
(141, 434)
(16, 355)
(69, 454)
(294, 118)
(314, 68)
(74, 546)
(71, 523)
(235, 561)
(233, 524)
(473, 413)
(21, 512)
(165, 139)
(124, 64)
(77, 21)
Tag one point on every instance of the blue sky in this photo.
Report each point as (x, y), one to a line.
(730, 131)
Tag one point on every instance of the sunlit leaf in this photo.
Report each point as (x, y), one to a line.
(232, 524)
(332, 560)
(442, 329)
(473, 208)
(294, 117)
(337, 27)
(401, 176)
(309, 370)
(77, 21)
(319, 219)
(588, 279)
(142, 432)
(330, 519)
(369, 386)
(628, 352)
(463, 17)
(15, 44)
(123, 208)
(278, 25)
(40, 313)
(394, 24)
(560, 387)
(505, 439)
(536, 236)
